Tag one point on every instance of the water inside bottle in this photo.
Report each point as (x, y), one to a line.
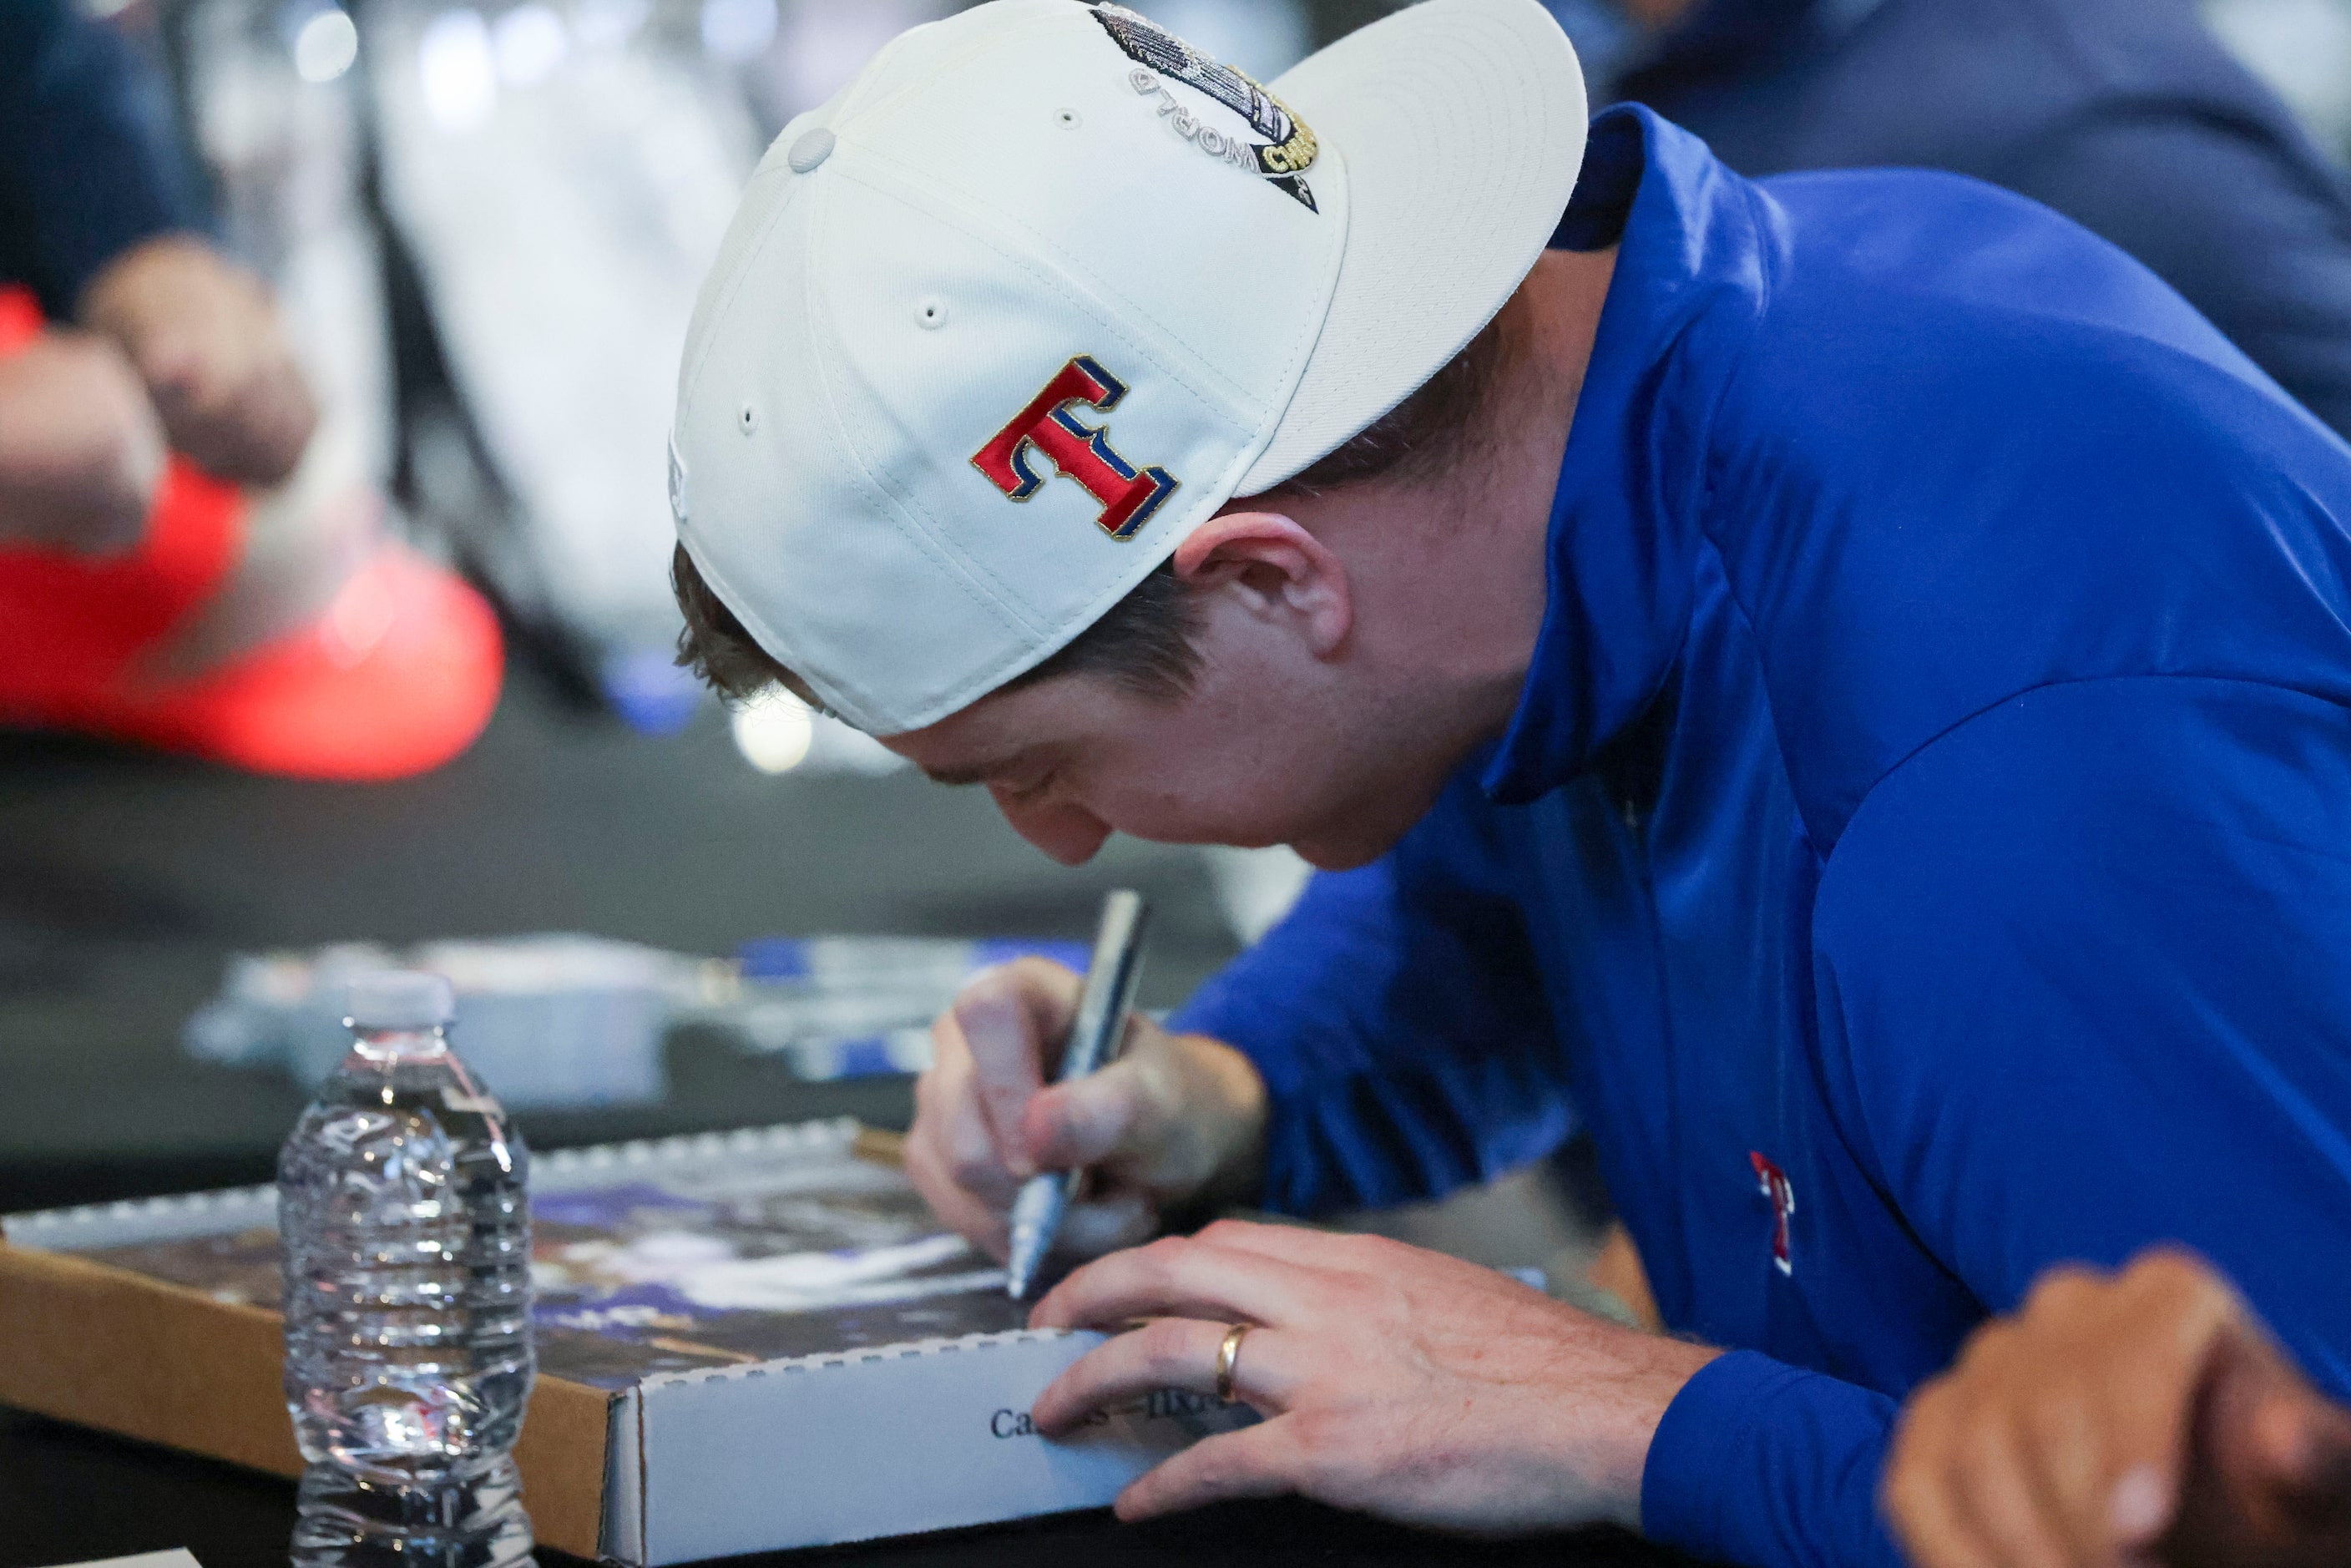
(405, 1224)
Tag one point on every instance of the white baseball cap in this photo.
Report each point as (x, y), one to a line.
(1044, 288)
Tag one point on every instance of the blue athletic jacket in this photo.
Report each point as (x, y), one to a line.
(1922, 850)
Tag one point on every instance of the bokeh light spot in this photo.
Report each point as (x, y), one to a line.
(326, 47)
(774, 732)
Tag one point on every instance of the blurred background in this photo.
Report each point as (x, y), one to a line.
(484, 226)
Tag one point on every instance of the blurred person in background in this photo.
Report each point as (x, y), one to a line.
(2145, 1415)
(99, 217)
(240, 600)
(2127, 116)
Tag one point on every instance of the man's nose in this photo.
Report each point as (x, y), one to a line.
(1069, 834)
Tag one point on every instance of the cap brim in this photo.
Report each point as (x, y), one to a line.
(397, 675)
(1462, 125)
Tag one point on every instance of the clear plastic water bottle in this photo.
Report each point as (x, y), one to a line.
(406, 1227)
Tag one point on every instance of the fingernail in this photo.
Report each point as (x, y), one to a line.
(2140, 1509)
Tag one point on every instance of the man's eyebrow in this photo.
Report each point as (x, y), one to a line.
(960, 774)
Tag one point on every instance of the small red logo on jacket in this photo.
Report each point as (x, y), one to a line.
(1128, 495)
(1774, 1184)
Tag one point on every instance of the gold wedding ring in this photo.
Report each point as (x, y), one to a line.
(1228, 1355)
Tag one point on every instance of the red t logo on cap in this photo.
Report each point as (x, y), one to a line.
(1080, 451)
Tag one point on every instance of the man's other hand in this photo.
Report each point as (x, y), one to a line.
(206, 341)
(80, 452)
(2142, 1417)
(1176, 1119)
(1393, 1380)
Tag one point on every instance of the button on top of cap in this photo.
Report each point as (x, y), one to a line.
(812, 149)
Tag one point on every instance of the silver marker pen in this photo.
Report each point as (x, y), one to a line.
(1096, 1035)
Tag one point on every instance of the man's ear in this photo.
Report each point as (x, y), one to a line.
(1278, 570)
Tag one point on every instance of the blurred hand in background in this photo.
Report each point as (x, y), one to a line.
(204, 338)
(2138, 1417)
(81, 448)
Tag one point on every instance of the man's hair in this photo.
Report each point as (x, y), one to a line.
(1144, 643)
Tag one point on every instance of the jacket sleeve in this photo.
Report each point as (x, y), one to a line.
(91, 161)
(1399, 1023)
(2254, 231)
(2082, 986)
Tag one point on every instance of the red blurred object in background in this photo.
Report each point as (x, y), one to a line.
(397, 674)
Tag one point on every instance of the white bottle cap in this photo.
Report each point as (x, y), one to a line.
(401, 999)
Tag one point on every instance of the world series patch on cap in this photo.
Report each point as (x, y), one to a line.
(1045, 288)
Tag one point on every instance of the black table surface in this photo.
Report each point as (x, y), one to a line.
(68, 1495)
